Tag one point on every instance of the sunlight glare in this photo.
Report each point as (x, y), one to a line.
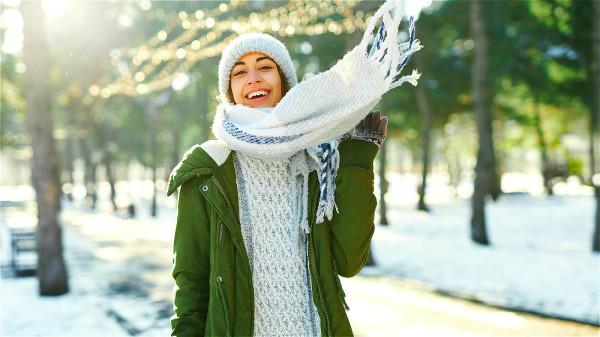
(12, 21)
(414, 7)
(180, 81)
(54, 7)
(145, 5)
(125, 20)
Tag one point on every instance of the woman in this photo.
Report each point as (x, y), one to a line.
(271, 212)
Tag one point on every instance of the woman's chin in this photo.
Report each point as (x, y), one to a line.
(262, 104)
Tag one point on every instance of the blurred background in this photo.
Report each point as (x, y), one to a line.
(488, 184)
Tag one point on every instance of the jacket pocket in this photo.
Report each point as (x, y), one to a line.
(339, 285)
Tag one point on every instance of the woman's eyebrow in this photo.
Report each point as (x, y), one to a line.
(264, 58)
(257, 60)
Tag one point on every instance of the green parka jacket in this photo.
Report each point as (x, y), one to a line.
(213, 292)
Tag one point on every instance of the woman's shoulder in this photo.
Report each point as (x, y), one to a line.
(198, 160)
(218, 150)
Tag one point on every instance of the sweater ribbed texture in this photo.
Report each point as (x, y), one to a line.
(272, 206)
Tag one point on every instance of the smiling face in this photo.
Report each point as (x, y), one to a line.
(255, 81)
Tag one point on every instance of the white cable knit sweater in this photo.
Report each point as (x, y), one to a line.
(272, 210)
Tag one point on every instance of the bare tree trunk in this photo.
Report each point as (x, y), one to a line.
(52, 272)
(71, 145)
(89, 176)
(152, 111)
(205, 122)
(68, 158)
(383, 186)
(204, 101)
(370, 260)
(152, 108)
(426, 121)
(546, 168)
(109, 148)
(176, 144)
(454, 170)
(595, 122)
(485, 169)
(383, 183)
(596, 238)
(414, 156)
(175, 156)
(88, 127)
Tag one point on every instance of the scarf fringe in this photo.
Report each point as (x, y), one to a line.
(387, 49)
(327, 157)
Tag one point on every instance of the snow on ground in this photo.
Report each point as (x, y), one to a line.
(24, 313)
(117, 269)
(539, 260)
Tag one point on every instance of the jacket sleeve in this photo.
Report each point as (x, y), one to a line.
(191, 263)
(352, 228)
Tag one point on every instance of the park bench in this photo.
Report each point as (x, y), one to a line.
(126, 211)
(24, 252)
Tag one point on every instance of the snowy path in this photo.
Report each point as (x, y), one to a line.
(539, 261)
(119, 279)
(382, 306)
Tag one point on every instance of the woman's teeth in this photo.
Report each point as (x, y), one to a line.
(257, 94)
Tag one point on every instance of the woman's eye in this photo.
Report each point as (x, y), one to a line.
(265, 67)
(239, 73)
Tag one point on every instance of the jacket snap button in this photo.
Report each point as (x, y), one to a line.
(205, 188)
(219, 279)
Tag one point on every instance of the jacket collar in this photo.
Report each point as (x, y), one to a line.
(211, 158)
(199, 160)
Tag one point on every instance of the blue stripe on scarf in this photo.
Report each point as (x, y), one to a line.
(380, 35)
(327, 155)
(233, 130)
(412, 38)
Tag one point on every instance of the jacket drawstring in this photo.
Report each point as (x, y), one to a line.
(220, 288)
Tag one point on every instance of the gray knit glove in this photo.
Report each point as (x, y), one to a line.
(372, 128)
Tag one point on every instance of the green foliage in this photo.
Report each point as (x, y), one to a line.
(540, 53)
(13, 128)
(575, 167)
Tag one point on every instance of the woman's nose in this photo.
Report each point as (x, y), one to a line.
(253, 77)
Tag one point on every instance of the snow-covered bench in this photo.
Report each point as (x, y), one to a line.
(24, 252)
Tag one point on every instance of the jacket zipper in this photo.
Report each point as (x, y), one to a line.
(222, 191)
(314, 263)
(220, 288)
(312, 254)
(228, 205)
(339, 284)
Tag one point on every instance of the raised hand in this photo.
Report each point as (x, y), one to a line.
(372, 128)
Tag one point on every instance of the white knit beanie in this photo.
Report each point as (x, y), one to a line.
(254, 43)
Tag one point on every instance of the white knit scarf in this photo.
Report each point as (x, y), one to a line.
(325, 106)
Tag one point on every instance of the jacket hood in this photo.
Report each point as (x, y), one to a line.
(198, 160)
